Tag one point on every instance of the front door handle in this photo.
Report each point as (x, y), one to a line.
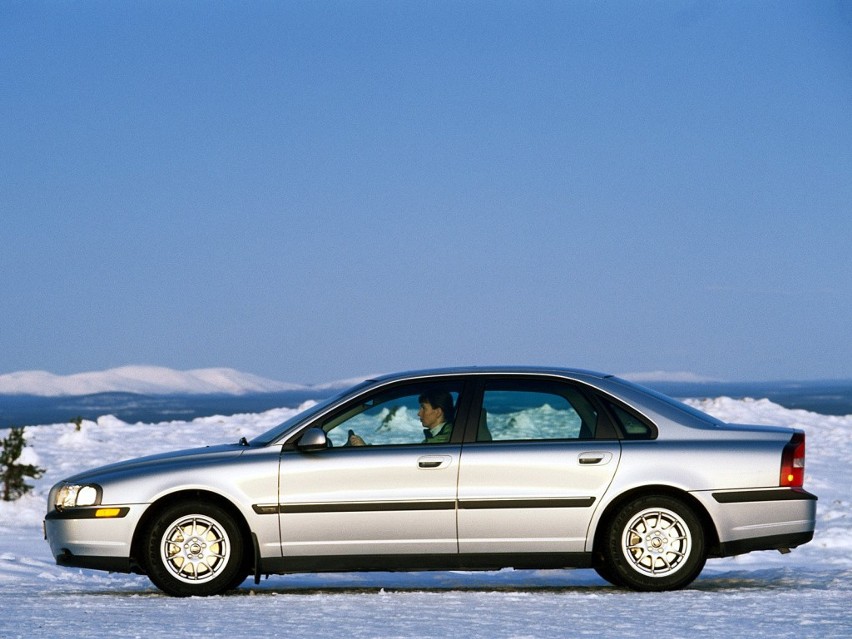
(434, 461)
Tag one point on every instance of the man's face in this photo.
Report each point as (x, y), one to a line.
(429, 415)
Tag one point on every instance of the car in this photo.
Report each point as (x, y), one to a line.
(449, 469)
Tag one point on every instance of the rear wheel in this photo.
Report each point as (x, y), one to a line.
(605, 572)
(654, 543)
(194, 550)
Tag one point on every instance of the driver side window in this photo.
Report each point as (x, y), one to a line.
(394, 417)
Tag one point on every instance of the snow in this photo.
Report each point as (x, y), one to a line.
(807, 593)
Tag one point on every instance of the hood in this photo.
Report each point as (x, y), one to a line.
(150, 462)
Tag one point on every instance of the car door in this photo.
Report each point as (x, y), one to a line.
(535, 468)
(393, 495)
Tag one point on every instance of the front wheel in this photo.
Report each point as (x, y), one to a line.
(655, 543)
(194, 550)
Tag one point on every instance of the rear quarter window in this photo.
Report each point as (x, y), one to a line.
(633, 426)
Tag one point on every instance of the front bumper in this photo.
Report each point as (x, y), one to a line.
(80, 539)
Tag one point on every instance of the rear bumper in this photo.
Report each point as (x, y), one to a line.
(777, 542)
(762, 519)
(769, 494)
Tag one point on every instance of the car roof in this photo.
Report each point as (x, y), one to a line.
(492, 370)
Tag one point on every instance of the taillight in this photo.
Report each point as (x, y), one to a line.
(793, 461)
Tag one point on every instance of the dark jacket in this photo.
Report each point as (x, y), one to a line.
(442, 437)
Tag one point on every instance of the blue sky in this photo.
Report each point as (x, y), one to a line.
(312, 191)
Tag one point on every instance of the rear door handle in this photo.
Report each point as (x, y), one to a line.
(434, 461)
(593, 458)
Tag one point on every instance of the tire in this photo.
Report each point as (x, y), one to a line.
(608, 575)
(194, 550)
(654, 543)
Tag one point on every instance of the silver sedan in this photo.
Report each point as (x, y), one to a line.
(462, 469)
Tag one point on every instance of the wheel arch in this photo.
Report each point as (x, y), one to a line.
(612, 508)
(194, 495)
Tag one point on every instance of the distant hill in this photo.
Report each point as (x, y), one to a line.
(146, 380)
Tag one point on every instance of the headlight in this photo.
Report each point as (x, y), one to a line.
(73, 495)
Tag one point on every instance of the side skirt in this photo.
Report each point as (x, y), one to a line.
(400, 563)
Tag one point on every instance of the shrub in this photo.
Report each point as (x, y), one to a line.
(12, 473)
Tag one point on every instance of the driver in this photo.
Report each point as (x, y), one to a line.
(436, 416)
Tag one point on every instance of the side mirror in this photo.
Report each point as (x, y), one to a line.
(313, 439)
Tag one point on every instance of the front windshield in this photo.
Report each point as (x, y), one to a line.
(277, 431)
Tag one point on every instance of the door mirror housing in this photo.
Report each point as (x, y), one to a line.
(313, 439)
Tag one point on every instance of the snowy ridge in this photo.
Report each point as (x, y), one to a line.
(147, 380)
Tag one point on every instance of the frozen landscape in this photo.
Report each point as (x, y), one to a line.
(807, 593)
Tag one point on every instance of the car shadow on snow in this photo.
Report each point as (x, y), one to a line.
(788, 578)
(502, 580)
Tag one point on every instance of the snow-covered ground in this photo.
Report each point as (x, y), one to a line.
(807, 593)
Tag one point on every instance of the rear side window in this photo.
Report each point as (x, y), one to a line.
(531, 411)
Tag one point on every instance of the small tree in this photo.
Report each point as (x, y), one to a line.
(13, 473)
